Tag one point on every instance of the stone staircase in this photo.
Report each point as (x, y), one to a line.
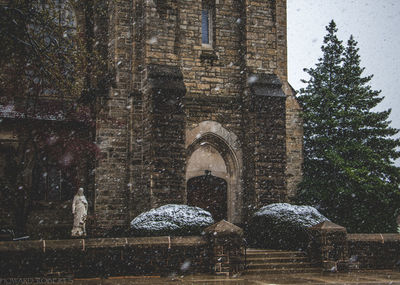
(264, 261)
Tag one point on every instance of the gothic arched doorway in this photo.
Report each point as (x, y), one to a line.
(212, 148)
(209, 193)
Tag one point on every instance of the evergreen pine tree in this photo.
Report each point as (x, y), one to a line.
(349, 148)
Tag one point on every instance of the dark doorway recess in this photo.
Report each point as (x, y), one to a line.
(209, 193)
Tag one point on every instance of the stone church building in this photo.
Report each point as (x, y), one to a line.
(200, 112)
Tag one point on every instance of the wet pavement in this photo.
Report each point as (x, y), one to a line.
(359, 277)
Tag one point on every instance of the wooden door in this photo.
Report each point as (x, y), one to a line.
(209, 193)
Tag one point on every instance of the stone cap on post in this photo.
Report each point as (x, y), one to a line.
(328, 226)
(224, 229)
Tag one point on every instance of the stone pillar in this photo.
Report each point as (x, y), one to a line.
(164, 135)
(294, 144)
(111, 203)
(269, 127)
(328, 246)
(227, 245)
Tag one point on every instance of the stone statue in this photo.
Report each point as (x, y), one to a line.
(79, 209)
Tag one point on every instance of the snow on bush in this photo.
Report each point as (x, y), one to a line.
(282, 226)
(171, 220)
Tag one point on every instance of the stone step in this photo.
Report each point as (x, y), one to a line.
(277, 255)
(277, 259)
(271, 253)
(288, 265)
(254, 250)
(283, 271)
(263, 261)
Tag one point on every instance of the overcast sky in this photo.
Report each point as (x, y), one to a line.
(374, 24)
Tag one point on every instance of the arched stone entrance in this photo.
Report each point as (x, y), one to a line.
(212, 148)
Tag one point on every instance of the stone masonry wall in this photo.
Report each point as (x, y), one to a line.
(171, 36)
(374, 251)
(294, 123)
(294, 145)
(281, 38)
(265, 55)
(111, 197)
(261, 36)
(270, 155)
(140, 129)
(104, 257)
(249, 39)
(165, 160)
(138, 170)
(268, 122)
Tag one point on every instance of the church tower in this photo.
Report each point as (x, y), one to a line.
(201, 112)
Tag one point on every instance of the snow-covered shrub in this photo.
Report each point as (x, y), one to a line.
(171, 220)
(282, 226)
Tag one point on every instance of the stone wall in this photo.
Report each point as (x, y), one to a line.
(333, 248)
(294, 144)
(8, 142)
(165, 122)
(249, 38)
(220, 250)
(46, 217)
(165, 83)
(105, 257)
(374, 251)
(267, 114)
(112, 133)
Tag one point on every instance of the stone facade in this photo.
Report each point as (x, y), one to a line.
(175, 95)
(178, 107)
(294, 144)
(373, 251)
